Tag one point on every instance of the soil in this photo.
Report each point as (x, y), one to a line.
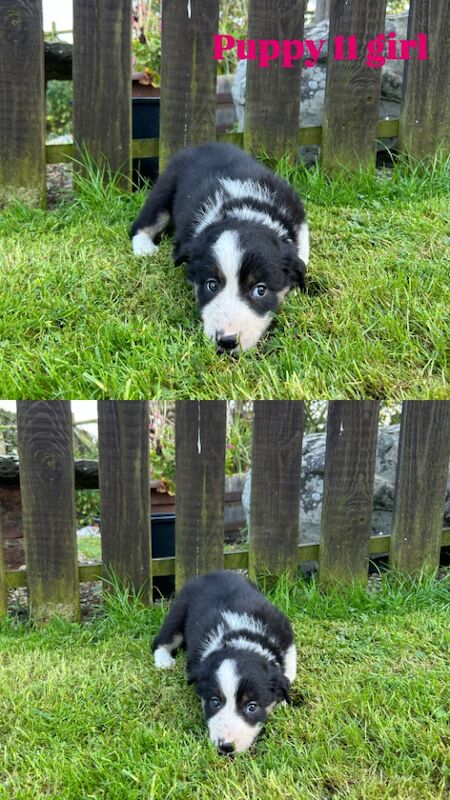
(59, 183)
(91, 598)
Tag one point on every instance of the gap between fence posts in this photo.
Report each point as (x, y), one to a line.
(422, 470)
(124, 482)
(47, 488)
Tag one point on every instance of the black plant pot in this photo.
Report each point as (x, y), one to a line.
(163, 546)
(145, 125)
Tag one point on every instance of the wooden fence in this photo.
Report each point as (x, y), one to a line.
(48, 491)
(102, 87)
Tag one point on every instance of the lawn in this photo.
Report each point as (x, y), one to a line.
(81, 317)
(84, 714)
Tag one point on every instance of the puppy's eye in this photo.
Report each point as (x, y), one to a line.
(251, 708)
(212, 285)
(260, 290)
(215, 702)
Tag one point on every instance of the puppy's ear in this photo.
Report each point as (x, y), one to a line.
(182, 252)
(293, 266)
(192, 672)
(279, 685)
(195, 673)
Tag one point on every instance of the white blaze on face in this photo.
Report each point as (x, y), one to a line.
(227, 314)
(227, 725)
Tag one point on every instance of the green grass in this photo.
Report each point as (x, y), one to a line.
(89, 547)
(81, 317)
(84, 714)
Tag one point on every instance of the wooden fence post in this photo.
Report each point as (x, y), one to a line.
(272, 104)
(188, 75)
(275, 487)
(422, 470)
(352, 94)
(124, 482)
(102, 83)
(425, 113)
(200, 431)
(3, 589)
(322, 10)
(348, 490)
(47, 487)
(22, 103)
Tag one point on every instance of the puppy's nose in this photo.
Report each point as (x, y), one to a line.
(225, 748)
(226, 343)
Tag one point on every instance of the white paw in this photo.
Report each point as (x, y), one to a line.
(163, 659)
(143, 245)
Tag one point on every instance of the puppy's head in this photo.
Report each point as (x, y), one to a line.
(238, 690)
(240, 272)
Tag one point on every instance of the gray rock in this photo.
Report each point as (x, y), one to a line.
(312, 91)
(313, 468)
(65, 138)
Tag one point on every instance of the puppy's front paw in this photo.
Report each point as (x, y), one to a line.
(163, 659)
(143, 245)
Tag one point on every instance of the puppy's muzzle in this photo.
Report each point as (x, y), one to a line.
(225, 748)
(225, 344)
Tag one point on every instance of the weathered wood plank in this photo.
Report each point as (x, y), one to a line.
(424, 451)
(3, 586)
(85, 472)
(273, 92)
(124, 482)
(102, 83)
(188, 75)
(22, 102)
(387, 128)
(348, 490)
(237, 559)
(144, 148)
(352, 92)
(425, 113)
(200, 431)
(322, 10)
(275, 496)
(59, 153)
(90, 572)
(48, 507)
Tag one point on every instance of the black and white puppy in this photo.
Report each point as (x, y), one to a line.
(240, 654)
(242, 232)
